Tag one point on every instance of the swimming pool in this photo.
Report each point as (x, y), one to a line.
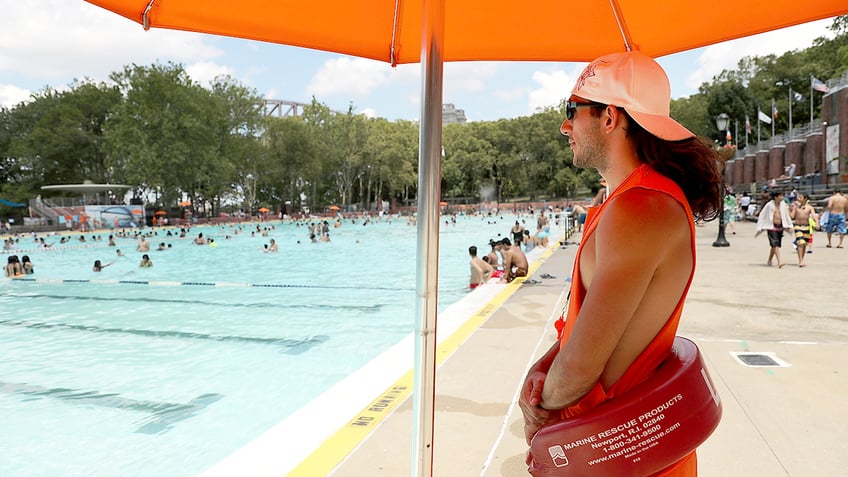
(167, 370)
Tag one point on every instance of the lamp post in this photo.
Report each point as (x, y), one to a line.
(722, 123)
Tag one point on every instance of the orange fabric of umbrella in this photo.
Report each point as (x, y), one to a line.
(263, 209)
(443, 204)
(160, 212)
(546, 30)
(185, 203)
(334, 207)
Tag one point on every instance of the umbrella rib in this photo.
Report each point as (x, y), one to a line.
(145, 17)
(392, 53)
(622, 27)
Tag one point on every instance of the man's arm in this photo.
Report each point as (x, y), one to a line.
(626, 259)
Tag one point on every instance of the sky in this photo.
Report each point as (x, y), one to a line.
(53, 42)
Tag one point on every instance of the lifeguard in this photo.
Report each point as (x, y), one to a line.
(634, 265)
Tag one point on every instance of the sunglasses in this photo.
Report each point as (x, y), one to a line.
(571, 108)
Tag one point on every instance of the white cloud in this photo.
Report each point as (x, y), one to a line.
(512, 94)
(368, 113)
(11, 95)
(466, 77)
(725, 56)
(355, 77)
(553, 86)
(56, 39)
(205, 71)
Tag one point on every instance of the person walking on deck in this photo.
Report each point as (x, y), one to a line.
(774, 219)
(835, 208)
(801, 212)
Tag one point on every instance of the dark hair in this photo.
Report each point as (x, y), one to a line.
(690, 163)
(775, 193)
(472, 250)
(506, 242)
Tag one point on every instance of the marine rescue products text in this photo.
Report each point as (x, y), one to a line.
(631, 431)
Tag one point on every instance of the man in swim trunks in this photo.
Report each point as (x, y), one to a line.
(515, 262)
(774, 218)
(480, 270)
(579, 213)
(517, 233)
(628, 286)
(836, 206)
(801, 212)
(492, 258)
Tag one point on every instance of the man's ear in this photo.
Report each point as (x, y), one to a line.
(613, 117)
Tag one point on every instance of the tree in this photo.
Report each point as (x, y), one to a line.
(163, 137)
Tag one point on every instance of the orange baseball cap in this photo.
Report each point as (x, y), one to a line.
(637, 83)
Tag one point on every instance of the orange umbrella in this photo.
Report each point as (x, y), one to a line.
(546, 30)
(264, 210)
(185, 203)
(443, 204)
(160, 212)
(334, 207)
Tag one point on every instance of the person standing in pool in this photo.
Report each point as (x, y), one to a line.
(517, 232)
(13, 267)
(480, 270)
(143, 245)
(145, 261)
(492, 258)
(27, 266)
(636, 258)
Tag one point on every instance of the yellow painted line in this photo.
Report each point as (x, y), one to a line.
(346, 439)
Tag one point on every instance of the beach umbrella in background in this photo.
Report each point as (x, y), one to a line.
(263, 210)
(185, 203)
(334, 207)
(160, 212)
(442, 204)
(434, 31)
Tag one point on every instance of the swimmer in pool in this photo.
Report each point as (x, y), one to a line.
(99, 266)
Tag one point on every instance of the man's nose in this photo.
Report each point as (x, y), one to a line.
(565, 128)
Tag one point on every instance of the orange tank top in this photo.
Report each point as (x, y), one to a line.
(658, 349)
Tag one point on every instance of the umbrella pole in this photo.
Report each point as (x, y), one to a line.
(427, 259)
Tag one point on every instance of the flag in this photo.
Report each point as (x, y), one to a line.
(818, 85)
(774, 110)
(747, 125)
(763, 117)
(798, 96)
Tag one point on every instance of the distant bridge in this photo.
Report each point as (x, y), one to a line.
(282, 108)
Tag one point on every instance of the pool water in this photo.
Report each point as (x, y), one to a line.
(167, 370)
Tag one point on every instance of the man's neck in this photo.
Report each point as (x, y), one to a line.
(623, 161)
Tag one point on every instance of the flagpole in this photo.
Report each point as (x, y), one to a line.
(736, 131)
(790, 113)
(811, 102)
(773, 119)
(758, 127)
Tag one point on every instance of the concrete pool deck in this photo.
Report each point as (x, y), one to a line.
(778, 421)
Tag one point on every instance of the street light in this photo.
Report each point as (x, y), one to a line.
(722, 123)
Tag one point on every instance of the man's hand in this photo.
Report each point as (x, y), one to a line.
(529, 400)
